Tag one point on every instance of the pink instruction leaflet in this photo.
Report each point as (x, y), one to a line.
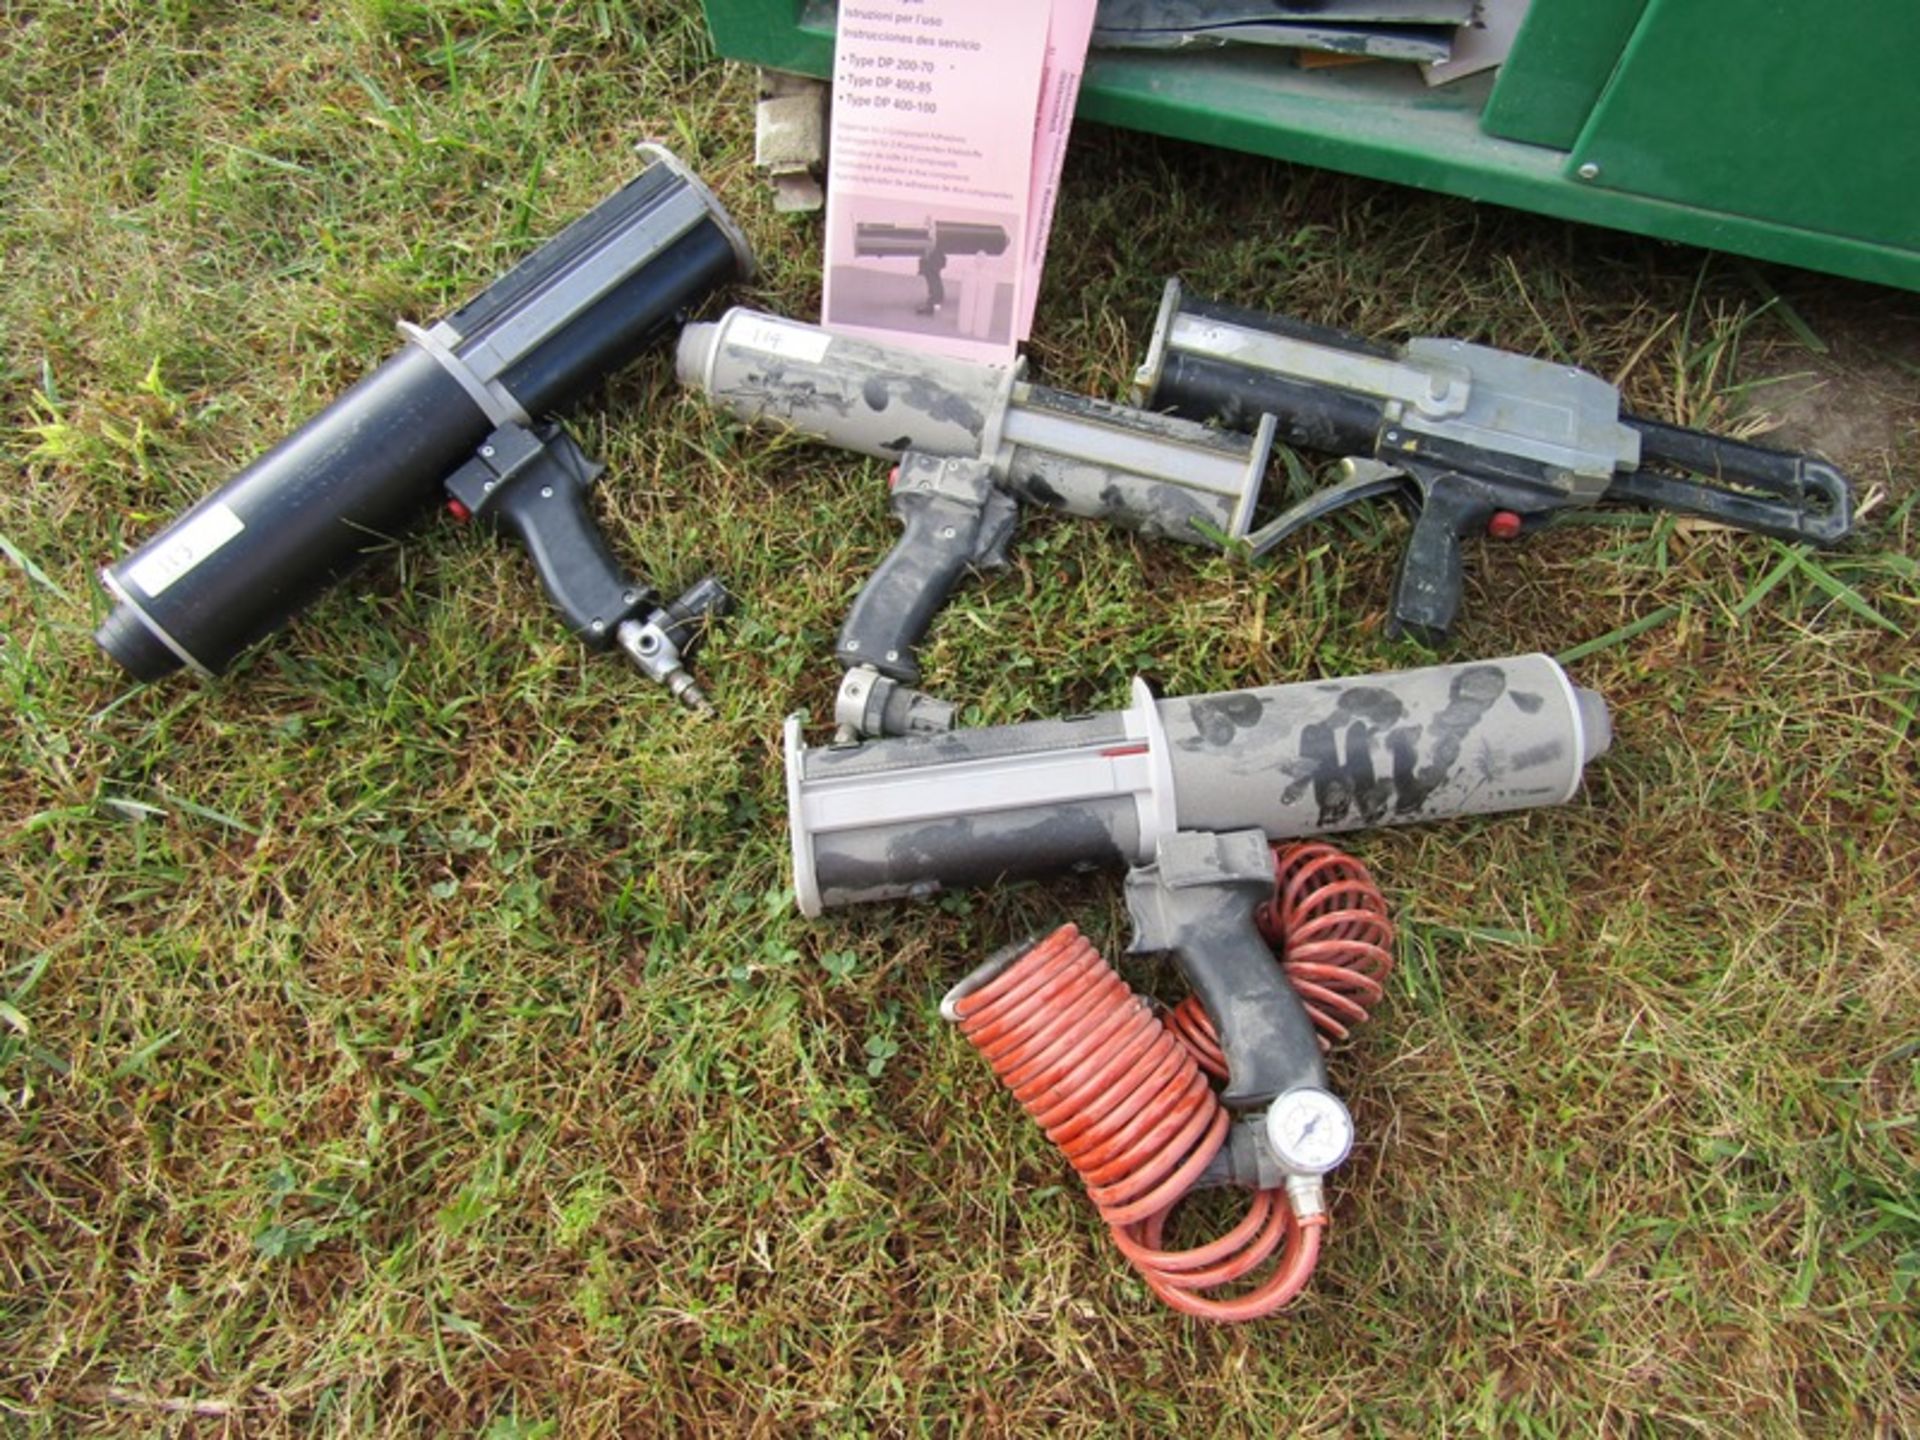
(931, 181)
(1067, 36)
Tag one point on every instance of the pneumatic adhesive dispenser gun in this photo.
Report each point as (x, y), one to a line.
(1476, 441)
(457, 416)
(1189, 795)
(972, 444)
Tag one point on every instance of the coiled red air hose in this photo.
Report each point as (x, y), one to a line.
(1126, 1097)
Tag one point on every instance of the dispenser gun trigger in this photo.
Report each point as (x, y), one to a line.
(533, 483)
(1447, 505)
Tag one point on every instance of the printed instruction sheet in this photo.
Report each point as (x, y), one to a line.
(1068, 34)
(931, 189)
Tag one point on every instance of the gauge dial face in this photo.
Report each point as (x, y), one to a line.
(1310, 1130)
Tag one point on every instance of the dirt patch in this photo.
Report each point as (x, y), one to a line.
(1853, 413)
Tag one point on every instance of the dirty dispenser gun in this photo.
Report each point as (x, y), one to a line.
(930, 245)
(1188, 794)
(972, 443)
(1477, 441)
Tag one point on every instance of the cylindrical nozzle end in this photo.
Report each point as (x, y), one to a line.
(1596, 723)
(687, 691)
(870, 703)
(1307, 1195)
(693, 360)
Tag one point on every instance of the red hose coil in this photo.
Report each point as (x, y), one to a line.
(1126, 1096)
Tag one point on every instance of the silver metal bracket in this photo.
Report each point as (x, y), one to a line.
(1555, 415)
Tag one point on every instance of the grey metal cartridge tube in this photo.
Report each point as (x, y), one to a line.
(907, 818)
(1163, 476)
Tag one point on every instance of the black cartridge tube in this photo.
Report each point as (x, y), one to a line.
(1313, 417)
(1198, 387)
(624, 323)
(241, 562)
(244, 559)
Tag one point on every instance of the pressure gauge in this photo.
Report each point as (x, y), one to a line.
(1310, 1130)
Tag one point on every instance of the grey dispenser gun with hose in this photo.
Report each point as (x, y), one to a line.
(457, 415)
(1187, 793)
(973, 442)
(1477, 441)
(930, 246)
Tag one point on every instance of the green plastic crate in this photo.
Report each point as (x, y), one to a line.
(1767, 128)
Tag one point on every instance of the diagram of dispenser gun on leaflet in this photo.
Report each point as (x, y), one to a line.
(930, 246)
(900, 271)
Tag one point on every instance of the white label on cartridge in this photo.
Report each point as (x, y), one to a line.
(184, 549)
(792, 342)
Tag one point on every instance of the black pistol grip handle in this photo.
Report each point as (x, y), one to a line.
(1197, 903)
(1427, 589)
(1264, 1031)
(534, 484)
(946, 506)
(895, 608)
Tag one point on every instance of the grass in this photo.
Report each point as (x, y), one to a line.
(410, 1033)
